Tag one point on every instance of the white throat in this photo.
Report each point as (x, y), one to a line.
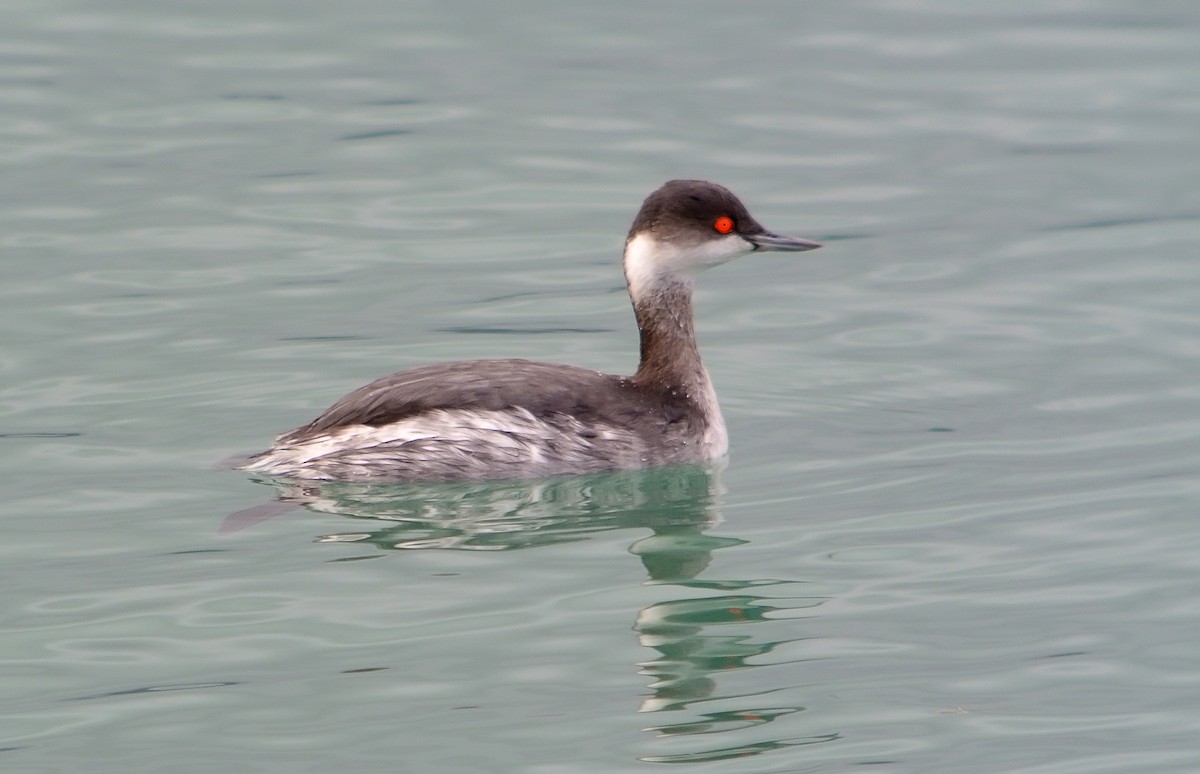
(649, 262)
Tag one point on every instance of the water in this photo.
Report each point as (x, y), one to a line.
(957, 529)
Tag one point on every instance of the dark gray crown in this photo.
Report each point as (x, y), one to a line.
(691, 207)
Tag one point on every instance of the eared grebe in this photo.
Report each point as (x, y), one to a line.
(491, 419)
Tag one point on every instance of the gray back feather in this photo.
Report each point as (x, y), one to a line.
(542, 389)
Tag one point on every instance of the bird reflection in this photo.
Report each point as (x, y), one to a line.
(676, 504)
(699, 641)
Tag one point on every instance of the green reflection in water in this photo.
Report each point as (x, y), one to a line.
(698, 640)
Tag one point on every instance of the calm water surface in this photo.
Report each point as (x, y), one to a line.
(958, 527)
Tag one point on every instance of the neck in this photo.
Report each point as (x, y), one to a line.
(670, 358)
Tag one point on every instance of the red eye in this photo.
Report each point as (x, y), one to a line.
(723, 224)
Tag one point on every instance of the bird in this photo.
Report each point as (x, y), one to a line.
(518, 419)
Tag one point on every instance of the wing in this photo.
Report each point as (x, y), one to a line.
(540, 388)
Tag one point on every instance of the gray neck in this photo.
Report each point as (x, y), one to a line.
(671, 361)
(670, 358)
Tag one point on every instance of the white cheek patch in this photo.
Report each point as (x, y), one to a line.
(648, 261)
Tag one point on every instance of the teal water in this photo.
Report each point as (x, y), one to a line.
(957, 530)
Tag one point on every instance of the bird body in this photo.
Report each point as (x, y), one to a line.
(495, 419)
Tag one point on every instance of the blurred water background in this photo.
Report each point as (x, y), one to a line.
(957, 531)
